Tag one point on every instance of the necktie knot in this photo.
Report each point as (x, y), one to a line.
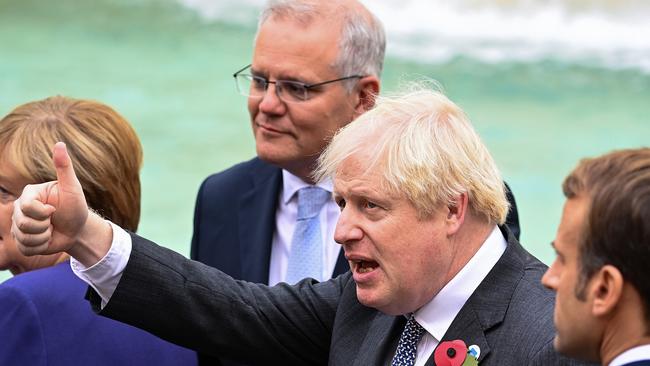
(408, 342)
(310, 201)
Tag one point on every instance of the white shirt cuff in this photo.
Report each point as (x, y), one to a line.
(104, 275)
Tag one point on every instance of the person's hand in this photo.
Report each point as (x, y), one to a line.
(52, 217)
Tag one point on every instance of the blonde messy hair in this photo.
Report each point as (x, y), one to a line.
(428, 151)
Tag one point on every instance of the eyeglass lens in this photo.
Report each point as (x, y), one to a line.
(254, 86)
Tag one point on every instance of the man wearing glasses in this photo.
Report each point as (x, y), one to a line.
(315, 68)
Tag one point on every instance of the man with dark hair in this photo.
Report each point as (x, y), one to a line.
(602, 270)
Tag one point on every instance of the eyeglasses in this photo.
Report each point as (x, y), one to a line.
(287, 90)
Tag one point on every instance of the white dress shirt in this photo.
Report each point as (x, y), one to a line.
(285, 223)
(638, 353)
(435, 317)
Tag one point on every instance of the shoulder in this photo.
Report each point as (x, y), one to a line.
(20, 317)
(513, 308)
(59, 280)
(36, 293)
(235, 176)
(528, 320)
(15, 295)
(548, 356)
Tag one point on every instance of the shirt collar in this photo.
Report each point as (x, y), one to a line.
(437, 315)
(291, 184)
(638, 353)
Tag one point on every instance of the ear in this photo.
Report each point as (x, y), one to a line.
(366, 89)
(456, 213)
(606, 289)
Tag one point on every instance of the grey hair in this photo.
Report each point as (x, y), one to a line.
(362, 43)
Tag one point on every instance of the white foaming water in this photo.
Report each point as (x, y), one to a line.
(609, 33)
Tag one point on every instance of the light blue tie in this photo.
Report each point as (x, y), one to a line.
(408, 343)
(306, 257)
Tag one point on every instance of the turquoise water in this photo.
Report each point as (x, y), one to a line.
(169, 72)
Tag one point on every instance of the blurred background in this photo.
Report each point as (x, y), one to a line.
(545, 83)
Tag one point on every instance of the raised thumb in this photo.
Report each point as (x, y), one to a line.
(65, 174)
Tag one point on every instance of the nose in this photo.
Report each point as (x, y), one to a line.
(347, 231)
(550, 279)
(271, 102)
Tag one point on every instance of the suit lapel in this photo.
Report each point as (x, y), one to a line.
(487, 306)
(466, 327)
(257, 221)
(380, 343)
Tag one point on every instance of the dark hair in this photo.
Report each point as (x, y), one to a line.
(617, 229)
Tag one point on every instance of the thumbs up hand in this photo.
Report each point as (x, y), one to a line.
(53, 217)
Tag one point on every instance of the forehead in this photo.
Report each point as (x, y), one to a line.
(572, 223)
(10, 177)
(355, 174)
(287, 47)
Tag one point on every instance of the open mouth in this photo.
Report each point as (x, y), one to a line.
(364, 266)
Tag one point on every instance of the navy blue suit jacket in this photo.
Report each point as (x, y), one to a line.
(234, 221)
(45, 320)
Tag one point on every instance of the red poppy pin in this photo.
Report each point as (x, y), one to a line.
(456, 353)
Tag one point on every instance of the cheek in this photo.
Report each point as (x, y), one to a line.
(253, 107)
(9, 254)
(6, 211)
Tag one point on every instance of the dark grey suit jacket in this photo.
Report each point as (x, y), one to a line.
(509, 316)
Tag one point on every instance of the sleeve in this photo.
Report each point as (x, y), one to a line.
(201, 308)
(104, 275)
(23, 341)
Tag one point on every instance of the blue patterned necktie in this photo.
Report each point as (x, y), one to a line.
(306, 257)
(408, 343)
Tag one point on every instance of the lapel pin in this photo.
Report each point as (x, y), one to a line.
(456, 353)
(475, 351)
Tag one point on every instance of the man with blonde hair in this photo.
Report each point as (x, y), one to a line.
(315, 67)
(601, 273)
(422, 207)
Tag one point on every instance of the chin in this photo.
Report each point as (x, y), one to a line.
(273, 155)
(367, 298)
(385, 305)
(578, 351)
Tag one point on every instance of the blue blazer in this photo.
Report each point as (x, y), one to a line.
(45, 320)
(234, 221)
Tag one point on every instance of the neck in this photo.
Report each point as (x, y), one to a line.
(301, 169)
(611, 351)
(467, 241)
(626, 328)
(303, 174)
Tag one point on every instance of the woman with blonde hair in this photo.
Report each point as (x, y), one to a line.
(43, 315)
